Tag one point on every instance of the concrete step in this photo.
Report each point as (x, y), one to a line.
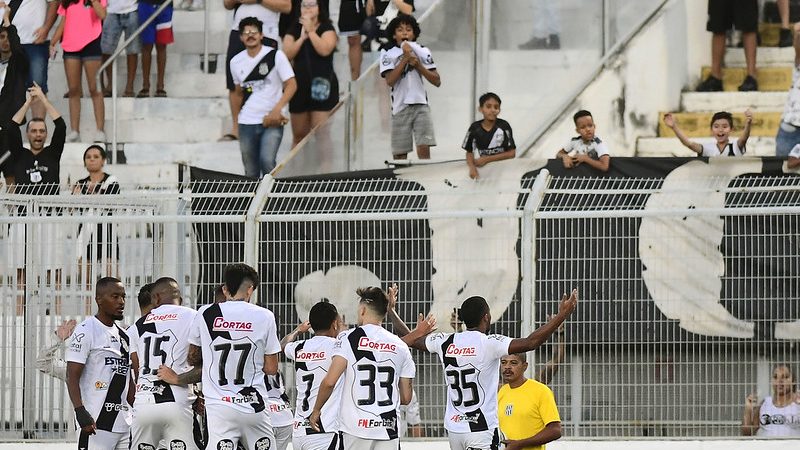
(769, 78)
(770, 34)
(765, 57)
(697, 124)
(671, 146)
(732, 101)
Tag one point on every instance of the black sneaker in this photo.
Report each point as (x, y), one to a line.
(534, 44)
(785, 39)
(749, 84)
(710, 84)
(553, 42)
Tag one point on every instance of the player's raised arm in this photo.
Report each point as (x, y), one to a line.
(541, 334)
(291, 337)
(413, 338)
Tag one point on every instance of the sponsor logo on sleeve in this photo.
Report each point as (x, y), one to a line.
(75, 343)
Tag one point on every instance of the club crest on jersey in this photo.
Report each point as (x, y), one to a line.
(160, 317)
(225, 444)
(453, 350)
(365, 343)
(220, 324)
(304, 356)
(177, 444)
(509, 409)
(263, 444)
(263, 69)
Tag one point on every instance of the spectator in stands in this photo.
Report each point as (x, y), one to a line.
(794, 157)
(50, 360)
(351, 15)
(405, 67)
(778, 415)
(546, 26)
(586, 147)
(79, 32)
(379, 14)
(785, 38)
(491, 137)
(158, 33)
(721, 126)
(722, 15)
(309, 45)
(526, 408)
(789, 131)
(265, 83)
(98, 182)
(34, 19)
(268, 12)
(14, 69)
(123, 17)
(36, 170)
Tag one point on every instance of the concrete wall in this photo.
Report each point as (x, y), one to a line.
(644, 79)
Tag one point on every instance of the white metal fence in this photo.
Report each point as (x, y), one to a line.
(683, 309)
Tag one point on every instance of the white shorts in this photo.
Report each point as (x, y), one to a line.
(477, 440)
(351, 442)
(103, 440)
(321, 441)
(283, 436)
(228, 426)
(170, 422)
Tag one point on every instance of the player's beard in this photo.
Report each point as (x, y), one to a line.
(118, 316)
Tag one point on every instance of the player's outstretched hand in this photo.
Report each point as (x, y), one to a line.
(394, 290)
(165, 373)
(313, 420)
(669, 120)
(425, 325)
(568, 304)
(64, 330)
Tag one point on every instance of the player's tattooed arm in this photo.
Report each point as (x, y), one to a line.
(194, 375)
(195, 356)
(302, 328)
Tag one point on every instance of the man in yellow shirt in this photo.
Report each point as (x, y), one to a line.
(526, 408)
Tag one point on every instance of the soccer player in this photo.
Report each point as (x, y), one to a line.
(98, 375)
(312, 361)
(471, 363)
(378, 371)
(280, 410)
(236, 343)
(160, 338)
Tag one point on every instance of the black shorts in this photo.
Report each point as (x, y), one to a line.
(350, 18)
(235, 46)
(302, 100)
(90, 51)
(740, 14)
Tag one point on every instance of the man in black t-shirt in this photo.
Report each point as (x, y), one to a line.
(491, 137)
(35, 170)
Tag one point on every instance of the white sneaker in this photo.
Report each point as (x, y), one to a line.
(73, 136)
(100, 136)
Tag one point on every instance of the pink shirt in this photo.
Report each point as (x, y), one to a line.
(81, 25)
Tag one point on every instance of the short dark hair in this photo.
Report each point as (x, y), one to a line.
(487, 96)
(163, 281)
(253, 22)
(219, 294)
(144, 295)
(237, 274)
(94, 147)
(473, 310)
(374, 298)
(322, 316)
(579, 114)
(722, 115)
(403, 19)
(104, 282)
(33, 120)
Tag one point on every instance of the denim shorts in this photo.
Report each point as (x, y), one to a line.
(114, 26)
(38, 55)
(89, 52)
(788, 136)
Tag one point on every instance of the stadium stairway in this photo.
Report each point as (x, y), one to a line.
(774, 78)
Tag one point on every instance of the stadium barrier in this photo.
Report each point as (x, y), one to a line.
(687, 270)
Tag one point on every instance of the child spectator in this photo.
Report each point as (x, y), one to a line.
(159, 32)
(405, 66)
(490, 137)
(586, 147)
(721, 124)
(123, 17)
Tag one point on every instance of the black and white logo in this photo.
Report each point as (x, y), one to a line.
(225, 444)
(263, 444)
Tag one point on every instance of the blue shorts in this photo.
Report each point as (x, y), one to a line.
(114, 26)
(38, 55)
(160, 30)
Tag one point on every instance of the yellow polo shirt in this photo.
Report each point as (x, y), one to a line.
(525, 411)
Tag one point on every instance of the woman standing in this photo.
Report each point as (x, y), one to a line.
(309, 45)
(778, 414)
(79, 32)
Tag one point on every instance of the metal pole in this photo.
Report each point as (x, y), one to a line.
(348, 122)
(206, 20)
(251, 225)
(114, 120)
